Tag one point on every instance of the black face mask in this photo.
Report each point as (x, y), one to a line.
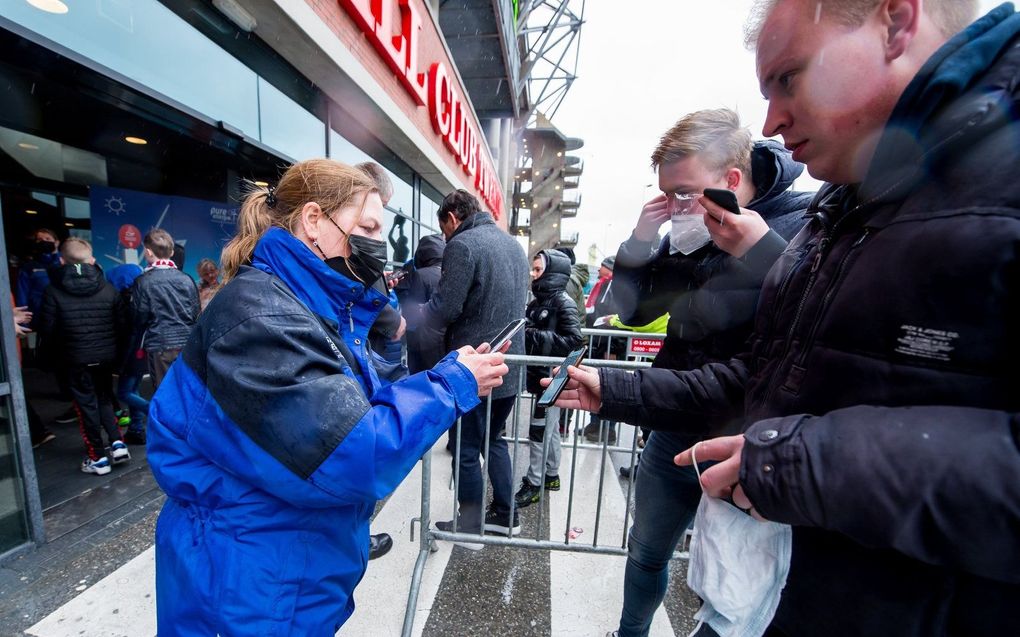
(44, 247)
(367, 260)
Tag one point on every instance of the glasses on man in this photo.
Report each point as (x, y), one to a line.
(682, 203)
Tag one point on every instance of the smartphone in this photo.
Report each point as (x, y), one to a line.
(504, 334)
(552, 392)
(725, 198)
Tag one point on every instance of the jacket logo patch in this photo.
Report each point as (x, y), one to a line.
(543, 314)
(925, 342)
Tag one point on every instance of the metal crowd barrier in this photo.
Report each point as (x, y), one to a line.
(429, 534)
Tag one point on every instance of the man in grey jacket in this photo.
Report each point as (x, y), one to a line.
(484, 286)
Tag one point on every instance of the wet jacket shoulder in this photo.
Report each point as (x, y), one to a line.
(484, 286)
(165, 305)
(81, 316)
(579, 275)
(709, 295)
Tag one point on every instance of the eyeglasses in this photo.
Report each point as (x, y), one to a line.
(681, 203)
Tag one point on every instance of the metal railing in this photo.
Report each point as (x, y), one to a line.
(429, 534)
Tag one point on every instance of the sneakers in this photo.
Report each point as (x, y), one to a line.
(379, 545)
(119, 452)
(447, 527)
(527, 495)
(625, 472)
(499, 523)
(135, 437)
(123, 418)
(99, 467)
(552, 483)
(71, 415)
(592, 431)
(47, 436)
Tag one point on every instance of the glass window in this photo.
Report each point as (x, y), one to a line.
(342, 150)
(429, 219)
(77, 208)
(13, 519)
(287, 127)
(148, 43)
(400, 221)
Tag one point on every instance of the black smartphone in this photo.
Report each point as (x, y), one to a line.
(725, 198)
(506, 333)
(552, 392)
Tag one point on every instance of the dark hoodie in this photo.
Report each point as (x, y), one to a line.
(554, 328)
(424, 344)
(81, 315)
(709, 295)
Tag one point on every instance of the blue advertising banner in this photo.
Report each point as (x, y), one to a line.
(120, 219)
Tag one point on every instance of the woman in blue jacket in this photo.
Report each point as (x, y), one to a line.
(272, 436)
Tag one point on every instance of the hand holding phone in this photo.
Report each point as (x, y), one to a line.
(725, 199)
(552, 391)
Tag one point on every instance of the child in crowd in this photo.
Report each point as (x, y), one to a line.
(553, 329)
(209, 281)
(81, 316)
(131, 366)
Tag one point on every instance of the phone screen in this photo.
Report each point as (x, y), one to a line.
(552, 392)
(504, 334)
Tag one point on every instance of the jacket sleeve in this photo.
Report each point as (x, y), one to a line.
(671, 400)
(560, 341)
(140, 309)
(46, 322)
(24, 287)
(939, 484)
(195, 301)
(632, 284)
(281, 415)
(447, 304)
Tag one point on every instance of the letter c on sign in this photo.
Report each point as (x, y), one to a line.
(440, 99)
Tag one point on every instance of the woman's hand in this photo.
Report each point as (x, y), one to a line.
(488, 369)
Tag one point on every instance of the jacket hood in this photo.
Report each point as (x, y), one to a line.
(963, 93)
(773, 170)
(430, 251)
(557, 273)
(81, 279)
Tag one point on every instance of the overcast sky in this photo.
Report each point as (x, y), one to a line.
(642, 66)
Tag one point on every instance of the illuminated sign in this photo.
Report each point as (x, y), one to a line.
(431, 87)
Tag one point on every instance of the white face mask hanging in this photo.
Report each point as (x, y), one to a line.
(688, 232)
(738, 566)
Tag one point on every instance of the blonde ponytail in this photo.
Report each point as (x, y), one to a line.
(252, 222)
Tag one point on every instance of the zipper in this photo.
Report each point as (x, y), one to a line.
(828, 296)
(780, 293)
(823, 246)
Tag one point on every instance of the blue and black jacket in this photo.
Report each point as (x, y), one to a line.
(273, 438)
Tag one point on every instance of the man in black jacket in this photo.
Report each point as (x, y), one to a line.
(82, 317)
(709, 289)
(880, 388)
(424, 345)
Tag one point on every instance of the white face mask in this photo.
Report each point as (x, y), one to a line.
(688, 232)
(738, 566)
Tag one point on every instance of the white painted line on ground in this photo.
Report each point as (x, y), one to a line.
(587, 589)
(121, 604)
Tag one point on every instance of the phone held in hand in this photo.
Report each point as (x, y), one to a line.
(552, 392)
(506, 333)
(726, 199)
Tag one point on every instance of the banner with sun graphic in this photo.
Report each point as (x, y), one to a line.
(120, 219)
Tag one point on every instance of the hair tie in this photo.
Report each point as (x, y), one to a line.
(271, 197)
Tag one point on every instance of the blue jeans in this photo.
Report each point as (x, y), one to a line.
(472, 445)
(127, 391)
(665, 500)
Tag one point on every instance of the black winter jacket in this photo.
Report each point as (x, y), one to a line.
(881, 386)
(81, 316)
(165, 306)
(425, 345)
(553, 327)
(711, 296)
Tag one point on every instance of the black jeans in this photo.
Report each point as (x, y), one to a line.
(472, 445)
(92, 391)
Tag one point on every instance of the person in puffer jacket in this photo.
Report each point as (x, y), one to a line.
(553, 329)
(272, 436)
